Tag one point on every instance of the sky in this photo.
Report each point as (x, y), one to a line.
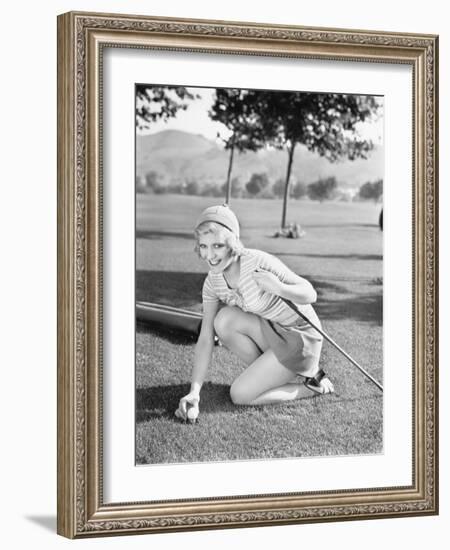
(195, 120)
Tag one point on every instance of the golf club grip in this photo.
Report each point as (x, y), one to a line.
(329, 339)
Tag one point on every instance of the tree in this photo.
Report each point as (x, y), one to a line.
(278, 187)
(257, 184)
(324, 123)
(322, 189)
(155, 103)
(298, 190)
(371, 191)
(235, 109)
(154, 182)
(236, 187)
(192, 188)
(141, 186)
(211, 190)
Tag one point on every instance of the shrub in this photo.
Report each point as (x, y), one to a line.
(267, 193)
(322, 189)
(371, 191)
(256, 184)
(141, 186)
(212, 190)
(154, 182)
(192, 188)
(278, 187)
(298, 190)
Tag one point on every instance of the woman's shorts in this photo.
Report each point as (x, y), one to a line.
(296, 347)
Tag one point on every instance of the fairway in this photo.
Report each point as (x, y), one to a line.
(341, 255)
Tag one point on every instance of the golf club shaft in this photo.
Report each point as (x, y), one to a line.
(337, 346)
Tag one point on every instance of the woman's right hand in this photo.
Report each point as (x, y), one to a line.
(188, 407)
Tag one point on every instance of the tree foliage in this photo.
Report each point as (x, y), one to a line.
(235, 109)
(155, 103)
(324, 123)
(322, 189)
(299, 190)
(257, 184)
(371, 191)
(192, 187)
(278, 187)
(236, 186)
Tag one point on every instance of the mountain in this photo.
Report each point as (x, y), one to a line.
(181, 156)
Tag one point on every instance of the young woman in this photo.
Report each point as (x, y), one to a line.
(242, 304)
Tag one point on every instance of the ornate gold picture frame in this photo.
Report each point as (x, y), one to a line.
(82, 40)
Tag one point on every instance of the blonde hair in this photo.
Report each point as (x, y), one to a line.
(231, 240)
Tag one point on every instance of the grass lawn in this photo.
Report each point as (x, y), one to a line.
(341, 255)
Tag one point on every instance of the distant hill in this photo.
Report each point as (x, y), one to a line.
(181, 156)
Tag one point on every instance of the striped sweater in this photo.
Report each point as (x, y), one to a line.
(248, 296)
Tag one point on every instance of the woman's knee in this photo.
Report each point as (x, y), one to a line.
(225, 321)
(239, 394)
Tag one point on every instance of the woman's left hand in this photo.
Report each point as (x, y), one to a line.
(267, 281)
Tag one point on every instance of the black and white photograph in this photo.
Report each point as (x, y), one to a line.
(259, 274)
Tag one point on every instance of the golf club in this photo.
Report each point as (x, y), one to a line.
(329, 339)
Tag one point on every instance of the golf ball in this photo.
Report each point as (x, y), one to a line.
(192, 414)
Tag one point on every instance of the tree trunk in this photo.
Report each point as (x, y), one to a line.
(230, 167)
(286, 185)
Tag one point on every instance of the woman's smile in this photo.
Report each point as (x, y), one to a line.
(214, 250)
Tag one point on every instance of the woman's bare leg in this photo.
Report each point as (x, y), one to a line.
(267, 381)
(241, 333)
